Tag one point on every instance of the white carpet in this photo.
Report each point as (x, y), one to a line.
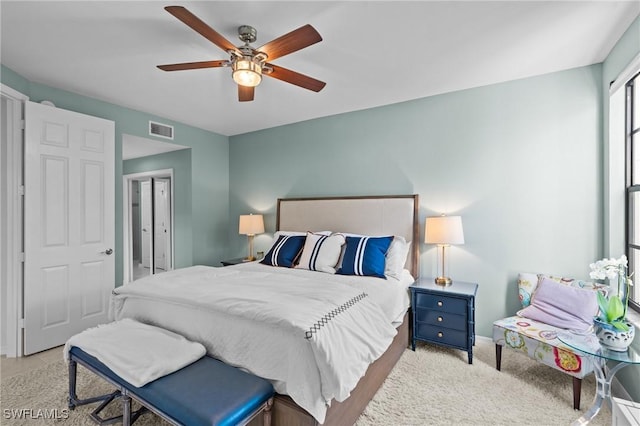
(435, 386)
(431, 386)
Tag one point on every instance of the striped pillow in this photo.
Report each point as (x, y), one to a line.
(321, 252)
(365, 256)
(285, 251)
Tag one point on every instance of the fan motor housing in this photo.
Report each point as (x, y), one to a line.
(247, 33)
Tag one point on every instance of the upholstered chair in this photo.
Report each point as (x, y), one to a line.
(530, 332)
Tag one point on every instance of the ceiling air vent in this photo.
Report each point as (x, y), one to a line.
(160, 130)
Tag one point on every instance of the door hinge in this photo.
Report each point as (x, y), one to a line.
(21, 323)
(21, 257)
(20, 189)
(23, 125)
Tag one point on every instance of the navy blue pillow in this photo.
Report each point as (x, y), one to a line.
(285, 251)
(365, 256)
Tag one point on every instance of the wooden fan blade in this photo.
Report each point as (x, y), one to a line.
(203, 29)
(193, 65)
(295, 40)
(245, 93)
(296, 78)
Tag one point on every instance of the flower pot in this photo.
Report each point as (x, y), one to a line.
(611, 338)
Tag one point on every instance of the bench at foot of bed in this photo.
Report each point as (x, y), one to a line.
(207, 392)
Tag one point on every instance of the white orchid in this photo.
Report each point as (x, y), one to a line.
(612, 310)
(608, 268)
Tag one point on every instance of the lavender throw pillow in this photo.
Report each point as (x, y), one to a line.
(562, 306)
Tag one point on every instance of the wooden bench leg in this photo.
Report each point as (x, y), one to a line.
(498, 356)
(266, 416)
(577, 387)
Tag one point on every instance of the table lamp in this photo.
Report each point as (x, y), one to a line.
(250, 225)
(443, 231)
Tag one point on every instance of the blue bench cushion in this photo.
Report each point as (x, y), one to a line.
(207, 392)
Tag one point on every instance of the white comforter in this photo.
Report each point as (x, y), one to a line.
(312, 334)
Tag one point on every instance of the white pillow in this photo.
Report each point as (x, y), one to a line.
(321, 252)
(396, 257)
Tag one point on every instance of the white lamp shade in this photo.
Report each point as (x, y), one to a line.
(251, 224)
(247, 72)
(444, 230)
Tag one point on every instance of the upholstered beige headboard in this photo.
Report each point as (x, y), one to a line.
(366, 215)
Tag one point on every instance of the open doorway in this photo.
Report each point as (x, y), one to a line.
(148, 224)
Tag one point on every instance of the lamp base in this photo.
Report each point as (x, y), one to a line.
(250, 257)
(443, 281)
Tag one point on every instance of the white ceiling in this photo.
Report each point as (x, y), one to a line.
(373, 53)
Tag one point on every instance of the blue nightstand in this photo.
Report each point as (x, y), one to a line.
(444, 315)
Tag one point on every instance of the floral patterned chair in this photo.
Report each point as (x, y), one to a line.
(538, 340)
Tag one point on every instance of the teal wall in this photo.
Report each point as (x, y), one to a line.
(14, 80)
(520, 161)
(180, 162)
(209, 165)
(621, 55)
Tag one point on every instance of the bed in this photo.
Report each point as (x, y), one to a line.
(371, 327)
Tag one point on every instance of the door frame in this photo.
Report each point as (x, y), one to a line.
(127, 223)
(14, 221)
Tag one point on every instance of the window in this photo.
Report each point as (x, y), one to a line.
(632, 135)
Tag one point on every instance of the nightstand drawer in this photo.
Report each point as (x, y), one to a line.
(441, 303)
(446, 336)
(442, 319)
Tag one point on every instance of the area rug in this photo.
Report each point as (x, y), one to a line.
(436, 386)
(431, 386)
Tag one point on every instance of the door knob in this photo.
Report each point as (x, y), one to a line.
(108, 252)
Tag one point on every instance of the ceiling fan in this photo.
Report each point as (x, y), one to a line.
(250, 64)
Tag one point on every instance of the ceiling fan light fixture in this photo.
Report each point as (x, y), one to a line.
(247, 71)
(248, 64)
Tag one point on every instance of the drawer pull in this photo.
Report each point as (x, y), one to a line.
(439, 319)
(439, 303)
(440, 334)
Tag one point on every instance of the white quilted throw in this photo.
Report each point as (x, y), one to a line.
(137, 352)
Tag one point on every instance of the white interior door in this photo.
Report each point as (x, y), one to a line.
(69, 224)
(146, 211)
(161, 222)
